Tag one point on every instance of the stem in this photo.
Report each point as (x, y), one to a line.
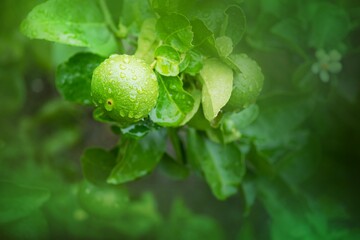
(108, 18)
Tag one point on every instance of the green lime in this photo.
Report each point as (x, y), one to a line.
(125, 88)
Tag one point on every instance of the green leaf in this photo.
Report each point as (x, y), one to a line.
(204, 40)
(173, 168)
(329, 26)
(33, 226)
(247, 84)
(290, 31)
(224, 46)
(173, 104)
(164, 6)
(303, 78)
(97, 165)
(70, 22)
(222, 165)
(147, 41)
(106, 201)
(183, 224)
(199, 122)
(234, 24)
(249, 191)
(217, 79)
(195, 63)
(224, 134)
(293, 218)
(175, 30)
(17, 201)
(140, 217)
(100, 115)
(279, 116)
(138, 129)
(167, 61)
(12, 91)
(139, 157)
(196, 94)
(245, 117)
(73, 78)
(211, 14)
(231, 125)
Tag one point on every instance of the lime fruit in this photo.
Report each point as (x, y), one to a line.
(125, 88)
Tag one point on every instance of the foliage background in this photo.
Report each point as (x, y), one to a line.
(302, 151)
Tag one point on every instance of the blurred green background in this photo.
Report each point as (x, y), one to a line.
(303, 174)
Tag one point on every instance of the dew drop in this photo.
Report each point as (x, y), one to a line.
(138, 115)
(122, 75)
(113, 56)
(122, 67)
(126, 60)
(172, 86)
(122, 113)
(131, 114)
(109, 90)
(134, 77)
(132, 95)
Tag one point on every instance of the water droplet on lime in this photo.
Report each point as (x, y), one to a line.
(138, 115)
(131, 114)
(132, 95)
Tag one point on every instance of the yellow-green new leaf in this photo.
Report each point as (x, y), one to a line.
(217, 79)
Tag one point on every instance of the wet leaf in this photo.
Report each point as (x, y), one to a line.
(138, 157)
(73, 78)
(174, 103)
(70, 22)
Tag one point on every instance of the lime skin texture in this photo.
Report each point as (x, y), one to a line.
(125, 88)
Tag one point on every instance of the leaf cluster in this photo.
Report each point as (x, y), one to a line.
(193, 48)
